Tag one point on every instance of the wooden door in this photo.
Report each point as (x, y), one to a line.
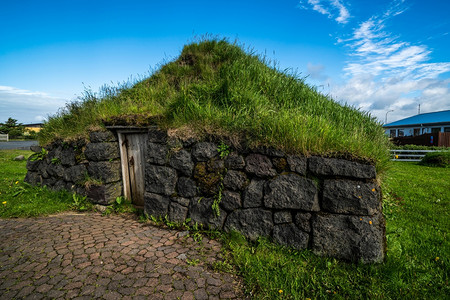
(133, 147)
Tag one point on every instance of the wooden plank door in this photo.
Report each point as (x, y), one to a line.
(133, 147)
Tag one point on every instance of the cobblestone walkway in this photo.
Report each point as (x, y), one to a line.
(87, 256)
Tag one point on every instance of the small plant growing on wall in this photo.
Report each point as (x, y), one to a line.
(224, 150)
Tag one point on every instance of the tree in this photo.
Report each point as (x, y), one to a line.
(12, 128)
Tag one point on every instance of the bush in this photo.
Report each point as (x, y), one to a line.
(436, 159)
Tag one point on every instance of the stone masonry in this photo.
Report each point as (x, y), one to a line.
(91, 169)
(329, 205)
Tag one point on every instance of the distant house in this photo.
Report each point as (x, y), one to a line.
(36, 127)
(434, 122)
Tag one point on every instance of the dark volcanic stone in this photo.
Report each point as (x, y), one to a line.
(104, 194)
(297, 164)
(291, 191)
(182, 161)
(253, 194)
(33, 178)
(180, 200)
(105, 171)
(235, 180)
(186, 187)
(156, 205)
(350, 197)
(157, 153)
(281, 217)
(251, 222)
(270, 151)
(101, 151)
(177, 212)
(352, 238)
(230, 200)
(55, 170)
(159, 179)
(201, 212)
(68, 156)
(102, 136)
(290, 235)
(75, 174)
(340, 167)
(234, 161)
(157, 136)
(36, 148)
(204, 151)
(259, 165)
(302, 220)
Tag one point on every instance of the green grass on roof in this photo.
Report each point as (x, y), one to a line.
(216, 86)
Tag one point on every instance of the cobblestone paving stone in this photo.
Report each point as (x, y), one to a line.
(85, 256)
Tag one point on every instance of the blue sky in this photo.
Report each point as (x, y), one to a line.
(376, 55)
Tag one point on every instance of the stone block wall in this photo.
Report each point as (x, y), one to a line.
(331, 206)
(91, 169)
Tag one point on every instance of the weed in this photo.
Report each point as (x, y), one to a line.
(39, 155)
(224, 150)
(55, 161)
(80, 203)
(120, 205)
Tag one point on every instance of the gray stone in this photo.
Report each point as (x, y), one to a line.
(297, 164)
(259, 165)
(352, 238)
(270, 151)
(251, 222)
(33, 178)
(105, 171)
(19, 158)
(187, 143)
(157, 153)
(177, 212)
(159, 179)
(204, 151)
(156, 205)
(291, 192)
(340, 167)
(36, 148)
(290, 235)
(55, 170)
(157, 136)
(102, 136)
(180, 200)
(201, 212)
(59, 185)
(49, 182)
(33, 165)
(182, 161)
(235, 180)
(101, 151)
(75, 174)
(186, 187)
(253, 194)
(350, 197)
(230, 201)
(68, 157)
(281, 217)
(302, 220)
(234, 161)
(104, 194)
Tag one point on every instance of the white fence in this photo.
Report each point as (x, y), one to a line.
(4, 137)
(410, 155)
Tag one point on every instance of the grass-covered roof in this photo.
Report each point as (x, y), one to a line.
(217, 87)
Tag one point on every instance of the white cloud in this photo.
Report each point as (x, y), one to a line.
(330, 8)
(385, 73)
(27, 106)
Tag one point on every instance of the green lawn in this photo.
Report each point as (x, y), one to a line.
(416, 206)
(19, 199)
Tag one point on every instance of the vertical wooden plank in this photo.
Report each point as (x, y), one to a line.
(136, 162)
(124, 165)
